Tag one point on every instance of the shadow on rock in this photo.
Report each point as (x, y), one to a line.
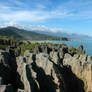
(34, 87)
(45, 81)
(72, 82)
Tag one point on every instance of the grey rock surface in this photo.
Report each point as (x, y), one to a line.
(48, 69)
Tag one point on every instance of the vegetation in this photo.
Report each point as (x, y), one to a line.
(28, 46)
(18, 47)
(6, 41)
(71, 50)
(2, 46)
(21, 34)
(7, 38)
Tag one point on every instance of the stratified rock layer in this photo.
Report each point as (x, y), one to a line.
(48, 69)
(81, 66)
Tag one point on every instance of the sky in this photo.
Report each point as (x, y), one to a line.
(71, 15)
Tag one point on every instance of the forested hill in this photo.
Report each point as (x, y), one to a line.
(22, 34)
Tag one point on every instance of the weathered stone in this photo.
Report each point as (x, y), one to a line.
(61, 52)
(81, 68)
(43, 72)
(55, 57)
(6, 88)
(47, 72)
(37, 49)
(28, 56)
(76, 56)
(80, 50)
(83, 59)
(24, 71)
(89, 59)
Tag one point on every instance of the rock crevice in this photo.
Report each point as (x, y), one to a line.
(48, 69)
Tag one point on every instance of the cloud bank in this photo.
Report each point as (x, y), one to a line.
(37, 10)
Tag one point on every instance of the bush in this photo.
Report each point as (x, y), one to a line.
(71, 50)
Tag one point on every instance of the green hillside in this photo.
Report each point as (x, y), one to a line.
(26, 35)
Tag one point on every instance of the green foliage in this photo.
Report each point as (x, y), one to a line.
(48, 43)
(31, 46)
(8, 38)
(71, 50)
(28, 46)
(3, 46)
(22, 46)
(4, 37)
(21, 34)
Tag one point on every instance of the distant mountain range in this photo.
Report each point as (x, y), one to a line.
(64, 34)
(58, 32)
(22, 34)
(44, 31)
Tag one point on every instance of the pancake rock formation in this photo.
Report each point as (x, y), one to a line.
(48, 69)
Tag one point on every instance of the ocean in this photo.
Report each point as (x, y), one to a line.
(87, 44)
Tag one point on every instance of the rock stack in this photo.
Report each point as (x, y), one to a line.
(48, 69)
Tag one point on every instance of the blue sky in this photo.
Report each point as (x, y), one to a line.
(71, 15)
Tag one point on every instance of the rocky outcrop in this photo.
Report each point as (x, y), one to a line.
(40, 49)
(48, 69)
(7, 71)
(26, 82)
(80, 50)
(7, 42)
(81, 66)
(45, 71)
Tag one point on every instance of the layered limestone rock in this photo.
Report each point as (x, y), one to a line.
(47, 74)
(81, 66)
(26, 82)
(48, 69)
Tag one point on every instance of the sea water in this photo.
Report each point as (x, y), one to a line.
(87, 44)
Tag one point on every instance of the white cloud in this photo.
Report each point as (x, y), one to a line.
(46, 29)
(70, 9)
(23, 15)
(33, 27)
(38, 28)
